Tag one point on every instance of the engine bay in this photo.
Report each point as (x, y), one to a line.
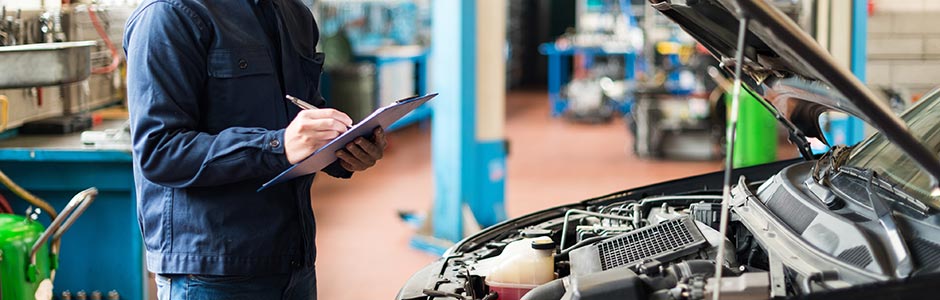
(657, 248)
(782, 241)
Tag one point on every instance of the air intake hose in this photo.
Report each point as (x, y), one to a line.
(697, 267)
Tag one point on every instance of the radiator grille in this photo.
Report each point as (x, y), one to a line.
(667, 240)
(857, 256)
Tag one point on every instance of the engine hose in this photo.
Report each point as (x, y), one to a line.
(697, 267)
(26, 195)
(580, 244)
(807, 283)
(553, 290)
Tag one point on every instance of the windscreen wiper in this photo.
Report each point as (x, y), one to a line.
(906, 199)
(903, 263)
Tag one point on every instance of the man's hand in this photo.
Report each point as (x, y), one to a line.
(310, 130)
(361, 153)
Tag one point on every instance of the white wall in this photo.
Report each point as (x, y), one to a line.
(904, 44)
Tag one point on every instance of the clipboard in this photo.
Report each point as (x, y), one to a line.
(326, 155)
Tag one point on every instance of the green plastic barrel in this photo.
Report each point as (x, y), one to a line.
(351, 90)
(757, 133)
(17, 236)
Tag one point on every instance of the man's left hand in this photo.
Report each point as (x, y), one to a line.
(361, 153)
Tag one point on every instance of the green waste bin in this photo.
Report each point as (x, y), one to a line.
(352, 89)
(757, 133)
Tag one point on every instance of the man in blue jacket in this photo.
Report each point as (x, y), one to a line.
(206, 86)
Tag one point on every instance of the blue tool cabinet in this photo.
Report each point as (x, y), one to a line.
(558, 70)
(103, 250)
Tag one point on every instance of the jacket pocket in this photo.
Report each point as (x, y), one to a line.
(242, 90)
(313, 70)
(238, 62)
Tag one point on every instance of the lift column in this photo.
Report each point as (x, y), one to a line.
(467, 68)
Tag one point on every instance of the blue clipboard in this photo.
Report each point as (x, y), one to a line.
(326, 155)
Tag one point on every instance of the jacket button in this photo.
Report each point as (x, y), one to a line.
(274, 143)
(242, 64)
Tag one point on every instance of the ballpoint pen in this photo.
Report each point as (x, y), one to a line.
(303, 104)
(300, 103)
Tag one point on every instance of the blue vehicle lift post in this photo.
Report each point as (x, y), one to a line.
(468, 145)
(855, 128)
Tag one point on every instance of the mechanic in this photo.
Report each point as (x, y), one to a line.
(209, 122)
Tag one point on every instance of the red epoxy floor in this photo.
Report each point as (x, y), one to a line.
(363, 246)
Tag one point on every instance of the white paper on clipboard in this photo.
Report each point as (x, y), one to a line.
(326, 155)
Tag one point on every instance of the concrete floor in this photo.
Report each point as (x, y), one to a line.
(363, 246)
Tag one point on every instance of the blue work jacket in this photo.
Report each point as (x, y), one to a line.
(207, 116)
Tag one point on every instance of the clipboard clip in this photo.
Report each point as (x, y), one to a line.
(406, 100)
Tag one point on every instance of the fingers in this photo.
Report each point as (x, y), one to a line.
(373, 150)
(325, 125)
(324, 135)
(326, 113)
(312, 129)
(347, 166)
(380, 140)
(359, 153)
(350, 162)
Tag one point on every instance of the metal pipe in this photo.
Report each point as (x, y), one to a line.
(564, 227)
(680, 197)
(80, 201)
(580, 244)
(638, 209)
(729, 159)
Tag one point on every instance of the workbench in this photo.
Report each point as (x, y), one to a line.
(558, 70)
(417, 57)
(103, 251)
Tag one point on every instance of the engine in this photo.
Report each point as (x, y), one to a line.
(652, 248)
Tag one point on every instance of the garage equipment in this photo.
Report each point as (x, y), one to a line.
(54, 168)
(58, 63)
(29, 255)
(61, 63)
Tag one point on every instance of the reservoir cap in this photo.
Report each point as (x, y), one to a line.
(543, 244)
(535, 232)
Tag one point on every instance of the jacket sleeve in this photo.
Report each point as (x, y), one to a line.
(167, 47)
(336, 170)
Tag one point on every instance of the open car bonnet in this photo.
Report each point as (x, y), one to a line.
(789, 69)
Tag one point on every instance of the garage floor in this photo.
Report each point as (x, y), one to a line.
(363, 246)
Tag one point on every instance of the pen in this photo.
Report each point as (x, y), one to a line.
(303, 104)
(300, 103)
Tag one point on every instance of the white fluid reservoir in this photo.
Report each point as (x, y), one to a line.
(523, 265)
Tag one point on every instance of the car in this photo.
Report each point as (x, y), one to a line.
(858, 221)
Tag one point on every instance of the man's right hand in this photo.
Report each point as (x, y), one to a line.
(310, 130)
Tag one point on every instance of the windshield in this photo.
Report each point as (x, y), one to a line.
(879, 154)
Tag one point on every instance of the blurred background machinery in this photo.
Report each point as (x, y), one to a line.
(376, 54)
(59, 107)
(61, 61)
